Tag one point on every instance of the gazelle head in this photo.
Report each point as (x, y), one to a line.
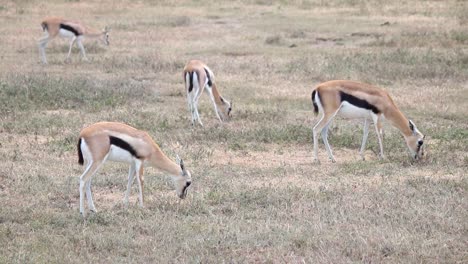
(415, 142)
(105, 36)
(182, 181)
(224, 110)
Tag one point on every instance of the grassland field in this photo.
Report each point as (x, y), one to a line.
(257, 196)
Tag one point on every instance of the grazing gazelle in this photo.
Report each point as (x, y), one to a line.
(119, 142)
(199, 77)
(74, 30)
(363, 101)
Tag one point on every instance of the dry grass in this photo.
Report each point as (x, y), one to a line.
(256, 196)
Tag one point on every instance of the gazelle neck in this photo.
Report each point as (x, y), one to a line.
(161, 161)
(93, 33)
(398, 120)
(216, 95)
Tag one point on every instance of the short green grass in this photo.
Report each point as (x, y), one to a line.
(256, 197)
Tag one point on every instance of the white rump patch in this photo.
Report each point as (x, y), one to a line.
(196, 86)
(318, 102)
(87, 156)
(187, 81)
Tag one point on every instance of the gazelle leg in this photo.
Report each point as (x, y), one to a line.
(89, 195)
(82, 185)
(70, 49)
(325, 141)
(196, 93)
(210, 92)
(315, 130)
(364, 138)
(197, 115)
(378, 128)
(322, 126)
(92, 168)
(189, 97)
(324, 120)
(140, 180)
(195, 104)
(194, 115)
(42, 45)
(141, 176)
(80, 45)
(131, 173)
(192, 107)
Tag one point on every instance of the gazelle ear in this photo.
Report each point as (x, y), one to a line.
(412, 126)
(181, 163)
(182, 166)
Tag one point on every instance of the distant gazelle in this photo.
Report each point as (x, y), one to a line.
(73, 30)
(199, 77)
(356, 100)
(119, 142)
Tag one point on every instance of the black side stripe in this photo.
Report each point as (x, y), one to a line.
(123, 145)
(190, 81)
(69, 28)
(209, 77)
(358, 102)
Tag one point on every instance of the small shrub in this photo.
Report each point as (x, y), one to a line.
(297, 34)
(178, 21)
(274, 40)
(460, 37)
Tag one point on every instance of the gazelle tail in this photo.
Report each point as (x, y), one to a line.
(316, 109)
(80, 154)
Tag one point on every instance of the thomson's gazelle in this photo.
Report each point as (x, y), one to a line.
(358, 100)
(119, 142)
(73, 30)
(199, 77)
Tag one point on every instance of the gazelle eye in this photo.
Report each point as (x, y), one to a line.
(420, 142)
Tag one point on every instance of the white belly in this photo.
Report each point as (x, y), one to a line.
(65, 33)
(348, 110)
(120, 155)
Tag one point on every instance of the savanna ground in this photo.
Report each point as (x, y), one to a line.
(256, 195)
